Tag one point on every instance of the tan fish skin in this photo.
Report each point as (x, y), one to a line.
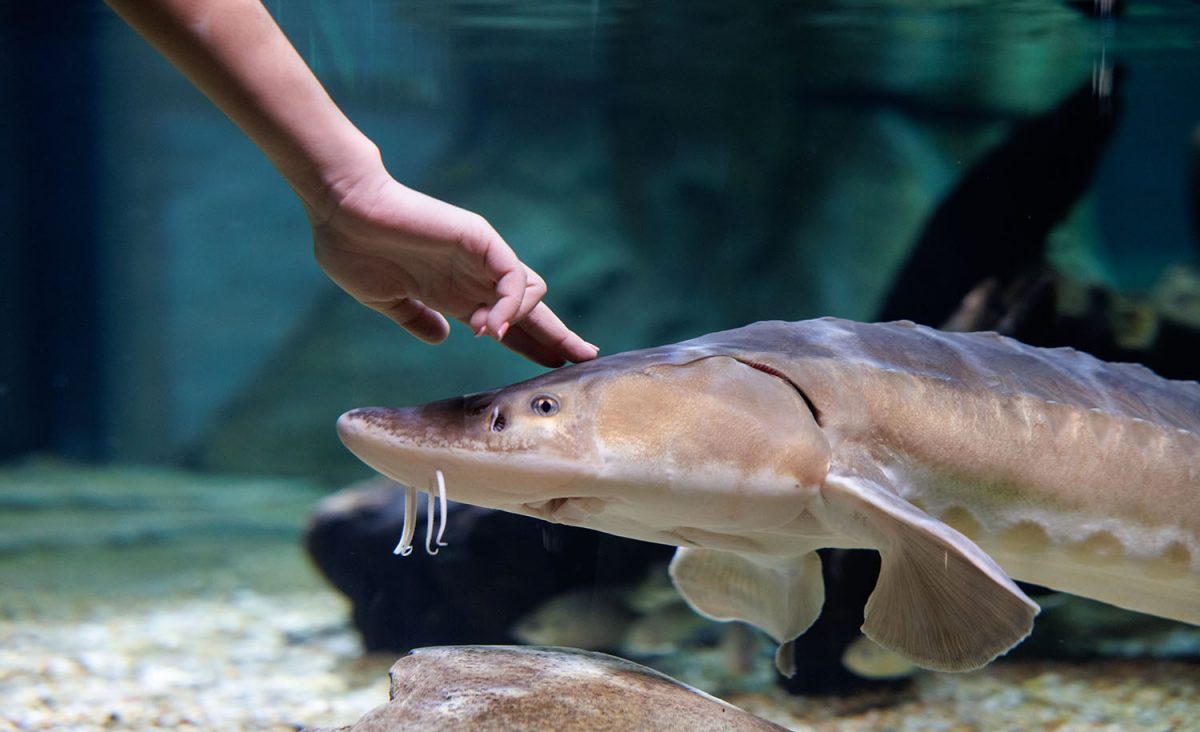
(966, 459)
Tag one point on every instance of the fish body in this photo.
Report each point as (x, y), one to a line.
(965, 459)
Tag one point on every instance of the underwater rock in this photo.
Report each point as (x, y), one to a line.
(543, 689)
(497, 568)
(1160, 330)
(994, 224)
(1006, 206)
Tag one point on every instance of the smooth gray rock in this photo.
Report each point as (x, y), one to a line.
(535, 689)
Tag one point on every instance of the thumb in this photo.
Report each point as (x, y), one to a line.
(418, 319)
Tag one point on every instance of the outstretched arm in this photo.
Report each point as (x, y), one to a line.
(409, 256)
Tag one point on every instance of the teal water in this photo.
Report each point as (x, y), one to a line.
(723, 164)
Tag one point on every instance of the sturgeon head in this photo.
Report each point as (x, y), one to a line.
(668, 445)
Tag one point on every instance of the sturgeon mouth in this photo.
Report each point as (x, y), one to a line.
(567, 509)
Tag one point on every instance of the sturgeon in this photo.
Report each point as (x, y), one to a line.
(966, 459)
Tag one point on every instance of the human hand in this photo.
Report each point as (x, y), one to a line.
(404, 254)
(417, 259)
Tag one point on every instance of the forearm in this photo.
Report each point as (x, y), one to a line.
(234, 52)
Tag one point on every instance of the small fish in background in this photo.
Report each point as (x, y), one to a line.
(593, 620)
(1176, 294)
(741, 648)
(870, 660)
(667, 629)
(654, 592)
(649, 622)
(642, 621)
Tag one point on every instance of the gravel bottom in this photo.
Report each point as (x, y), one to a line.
(1109, 696)
(243, 662)
(252, 661)
(152, 599)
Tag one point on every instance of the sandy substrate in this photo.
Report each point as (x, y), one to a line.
(147, 599)
(1113, 696)
(245, 660)
(282, 662)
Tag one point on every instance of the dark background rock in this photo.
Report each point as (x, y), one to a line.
(996, 222)
(497, 568)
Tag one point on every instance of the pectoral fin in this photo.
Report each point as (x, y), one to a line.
(783, 597)
(940, 600)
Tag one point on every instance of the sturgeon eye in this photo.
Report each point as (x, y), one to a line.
(544, 405)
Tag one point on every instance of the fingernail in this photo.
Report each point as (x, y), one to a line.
(500, 333)
(592, 346)
(481, 331)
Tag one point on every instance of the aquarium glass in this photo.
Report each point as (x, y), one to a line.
(173, 360)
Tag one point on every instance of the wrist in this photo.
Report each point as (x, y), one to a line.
(324, 181)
